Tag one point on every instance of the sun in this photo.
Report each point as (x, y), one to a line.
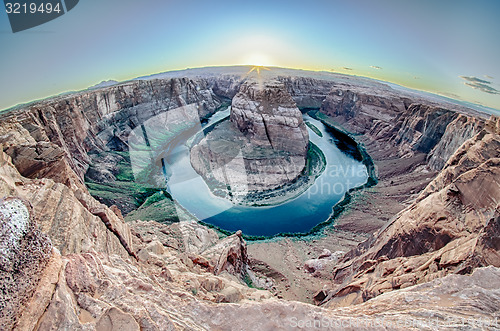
(258, 60)
(257, 69)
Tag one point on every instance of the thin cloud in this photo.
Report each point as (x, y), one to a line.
(479, 103)
(480, 84)
(473, 79)
(489, 77)
(376, 67)
(347, 68)
(451, 95)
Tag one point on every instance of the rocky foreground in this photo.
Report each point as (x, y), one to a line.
(430, 261)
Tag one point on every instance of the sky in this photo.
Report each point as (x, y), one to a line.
(451, 48)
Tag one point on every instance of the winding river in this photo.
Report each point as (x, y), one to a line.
(299, 214)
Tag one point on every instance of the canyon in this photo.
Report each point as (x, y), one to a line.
(262, 147)
(82, 250)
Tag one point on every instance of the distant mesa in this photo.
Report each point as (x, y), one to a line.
(104, 83)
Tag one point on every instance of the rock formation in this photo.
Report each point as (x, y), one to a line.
(452, 225)
(98, 291)
(421, 128)
(268, 116)
(457, 132)
(74, 279)
(362, 108)
(264, 146)
(25, 252)
(70, 262)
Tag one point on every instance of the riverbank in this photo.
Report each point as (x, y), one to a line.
(282, 259)
(315, 165)
(297, 216)
(347, 143)
(232, 168)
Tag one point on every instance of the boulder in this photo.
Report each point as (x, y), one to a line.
(24, 253)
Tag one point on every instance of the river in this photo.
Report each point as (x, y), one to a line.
(299, 214)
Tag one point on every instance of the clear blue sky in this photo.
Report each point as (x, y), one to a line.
(446, 47)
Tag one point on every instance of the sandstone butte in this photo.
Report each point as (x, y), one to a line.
(420, 249)
(262, 147)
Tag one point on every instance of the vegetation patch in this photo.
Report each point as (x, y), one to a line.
(134, 199)
(314, 129)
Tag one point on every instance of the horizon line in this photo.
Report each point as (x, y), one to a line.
(326, 71)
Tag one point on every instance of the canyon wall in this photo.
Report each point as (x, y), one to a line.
(70, 262)
(100, 119)
(262, 147)
(452, 227)
(67, 261)
(411, 125)
(457, 132)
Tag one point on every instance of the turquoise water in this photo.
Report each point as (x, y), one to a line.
(300, 214)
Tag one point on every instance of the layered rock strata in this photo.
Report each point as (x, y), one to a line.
(67, 260)
(452, 227)
(95, 120)
(262, 147)
(97, 272)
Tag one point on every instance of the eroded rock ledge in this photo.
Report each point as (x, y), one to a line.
(451, 227)
(84, 278)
